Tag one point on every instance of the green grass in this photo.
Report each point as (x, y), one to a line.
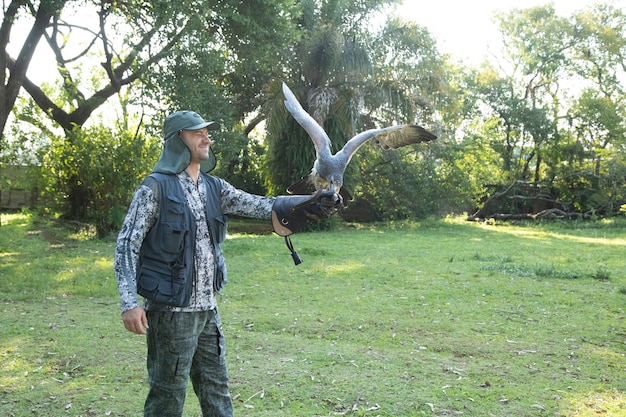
(438, 318)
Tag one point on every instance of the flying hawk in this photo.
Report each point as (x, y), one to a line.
(328, 169)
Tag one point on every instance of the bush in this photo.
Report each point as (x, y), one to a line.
(92, 173)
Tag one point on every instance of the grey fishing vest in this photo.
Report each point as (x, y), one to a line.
(166, 272)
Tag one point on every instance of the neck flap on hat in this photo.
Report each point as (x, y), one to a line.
(175, 157)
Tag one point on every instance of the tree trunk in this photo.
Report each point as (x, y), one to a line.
(17, 68)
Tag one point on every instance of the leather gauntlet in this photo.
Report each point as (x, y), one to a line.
(290, 214)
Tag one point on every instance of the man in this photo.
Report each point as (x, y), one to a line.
(169, 251)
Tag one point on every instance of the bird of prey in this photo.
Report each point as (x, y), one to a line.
(328, 169)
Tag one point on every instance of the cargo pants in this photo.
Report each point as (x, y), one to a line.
(183, 346)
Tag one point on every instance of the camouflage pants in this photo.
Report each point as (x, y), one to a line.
(183, 346)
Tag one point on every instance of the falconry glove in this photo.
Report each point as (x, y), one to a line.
(290, 214)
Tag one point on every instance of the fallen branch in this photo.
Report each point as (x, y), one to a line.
(548, 214)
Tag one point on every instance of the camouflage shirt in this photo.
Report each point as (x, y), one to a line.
(143, 213)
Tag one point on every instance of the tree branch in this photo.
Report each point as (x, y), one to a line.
(18, 67)
(5, 34)
(42, 100)
(253, 123)
(51, 39)
(68, 82)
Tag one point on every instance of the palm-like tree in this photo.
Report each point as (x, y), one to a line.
(346, 77)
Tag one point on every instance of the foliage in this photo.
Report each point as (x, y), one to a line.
(552, 111)
(466, 171)
(91, 160)
(465, 318)
(152, 55)
(240, 160)
(399, 185)
(221, 70)
(571, 138)
(353, 79)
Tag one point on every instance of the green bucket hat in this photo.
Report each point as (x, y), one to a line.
(175, 155)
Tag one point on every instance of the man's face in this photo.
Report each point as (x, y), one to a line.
(198, 142)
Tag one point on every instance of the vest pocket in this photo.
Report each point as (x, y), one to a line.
(173, 225)
(173, 237)
(220, 223)
(164, 283)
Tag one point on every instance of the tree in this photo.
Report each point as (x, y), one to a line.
(410, 84)
(539, 52)
(16, 68)
(145, 44)
(558, 114)
(598, 52)
(132, 41)
(224, 76)
(325, 74)
(351, 80)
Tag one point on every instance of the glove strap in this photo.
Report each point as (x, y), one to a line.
(296, 258)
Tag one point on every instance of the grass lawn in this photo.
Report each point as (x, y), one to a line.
(438, 318)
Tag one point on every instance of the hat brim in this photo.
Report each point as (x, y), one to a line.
(208, 125)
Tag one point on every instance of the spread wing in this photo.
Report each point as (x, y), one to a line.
(406, 135)
(328, 169)
(391, 137)
(320, 139)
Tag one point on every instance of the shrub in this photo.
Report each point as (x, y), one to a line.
(91, 174)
